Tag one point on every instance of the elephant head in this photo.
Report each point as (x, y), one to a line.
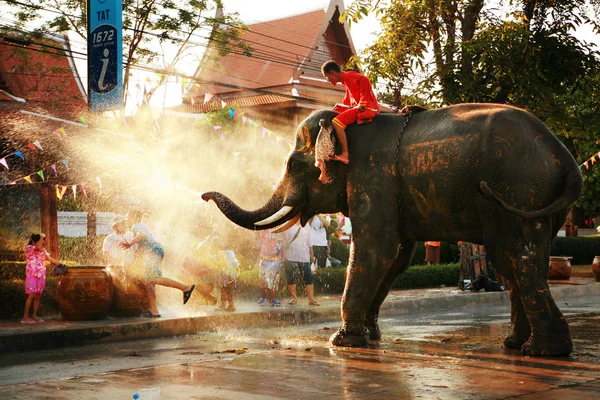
(299, 194)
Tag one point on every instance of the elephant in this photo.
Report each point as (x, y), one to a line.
(484, 173)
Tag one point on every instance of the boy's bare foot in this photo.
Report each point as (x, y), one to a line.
(37, 319)
(341, 158)
(27, 321)
(325, 179)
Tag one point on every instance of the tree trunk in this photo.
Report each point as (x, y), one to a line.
(469, 23)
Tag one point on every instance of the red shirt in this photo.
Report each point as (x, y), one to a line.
(359, 92)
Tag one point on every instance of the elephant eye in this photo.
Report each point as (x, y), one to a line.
(294, 166)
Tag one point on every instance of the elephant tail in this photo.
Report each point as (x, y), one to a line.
(573, 189)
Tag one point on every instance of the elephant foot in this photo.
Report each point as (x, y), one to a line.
(516, 339)
(549, 339)
(347, 339)
(555, 346)
(513, 342)
(374, 333)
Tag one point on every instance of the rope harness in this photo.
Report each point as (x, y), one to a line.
(407, 118)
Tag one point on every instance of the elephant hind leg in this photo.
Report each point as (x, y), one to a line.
(520, 328)
(529, 255)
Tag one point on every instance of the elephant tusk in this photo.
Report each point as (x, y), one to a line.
(287, 225)
(275, 217)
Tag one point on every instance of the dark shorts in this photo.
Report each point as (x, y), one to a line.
(320, 253)
(290, 272)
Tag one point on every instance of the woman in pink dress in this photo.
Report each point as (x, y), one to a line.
(35, 282)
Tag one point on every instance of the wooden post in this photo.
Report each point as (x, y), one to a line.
(91, 225)
(49, 219)
(473, 262)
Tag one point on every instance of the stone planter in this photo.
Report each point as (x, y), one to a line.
(85, 293)
(560, 268)
(596, 268)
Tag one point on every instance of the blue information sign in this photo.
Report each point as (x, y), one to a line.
(105, 54)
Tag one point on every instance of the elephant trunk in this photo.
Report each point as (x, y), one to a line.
(247, 219)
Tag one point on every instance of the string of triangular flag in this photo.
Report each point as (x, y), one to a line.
(40, 173)
(60, 189)
(18, 153)
(233, 114)
(591, 161)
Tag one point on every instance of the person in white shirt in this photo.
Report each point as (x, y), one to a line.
(297, 245)
(111, 247)
(319, 224)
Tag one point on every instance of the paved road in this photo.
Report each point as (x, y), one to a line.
(454, 354)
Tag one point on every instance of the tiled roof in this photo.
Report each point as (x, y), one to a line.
(35, 83)
(30, 73)
(280, 47)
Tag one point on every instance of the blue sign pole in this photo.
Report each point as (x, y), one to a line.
(105, 54)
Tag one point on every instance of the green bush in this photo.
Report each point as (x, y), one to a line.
(582, 249)
(332, 280)
(80, 249)
(10, 270)
(339, 250)
(449, 253)
(422, 276)
(12, 298)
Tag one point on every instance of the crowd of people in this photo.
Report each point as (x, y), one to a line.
(134, 252)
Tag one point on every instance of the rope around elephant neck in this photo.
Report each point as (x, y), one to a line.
(407, 118)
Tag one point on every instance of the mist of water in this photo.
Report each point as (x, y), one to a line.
(164, 171)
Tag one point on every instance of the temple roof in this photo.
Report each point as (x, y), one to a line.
(286, 60)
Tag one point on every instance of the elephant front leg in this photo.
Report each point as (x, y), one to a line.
(369, 264)
(400, 265)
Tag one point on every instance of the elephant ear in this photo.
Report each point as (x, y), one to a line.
(326, 142)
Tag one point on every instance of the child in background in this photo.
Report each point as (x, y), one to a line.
(35, 282)
(230, 267)
(217, 265)
(270, 266)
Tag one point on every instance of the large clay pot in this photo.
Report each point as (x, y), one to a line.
(560, 268)
(85, 293)
(129, 295)
(596, 268)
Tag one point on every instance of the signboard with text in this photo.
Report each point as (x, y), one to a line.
(105, 54)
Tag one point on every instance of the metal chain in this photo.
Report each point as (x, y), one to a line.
(406, 119)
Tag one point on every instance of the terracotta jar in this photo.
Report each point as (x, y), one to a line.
(85, 293)
(129, 295)
(560, 268)
(596, 268)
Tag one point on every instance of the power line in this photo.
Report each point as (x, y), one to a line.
(213, 20)
(191, 78)
(79, 58)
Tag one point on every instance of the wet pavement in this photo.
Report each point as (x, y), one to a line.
(451, 354)
(427, 352)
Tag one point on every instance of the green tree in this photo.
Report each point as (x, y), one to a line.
(147, 26)
(530, 59)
